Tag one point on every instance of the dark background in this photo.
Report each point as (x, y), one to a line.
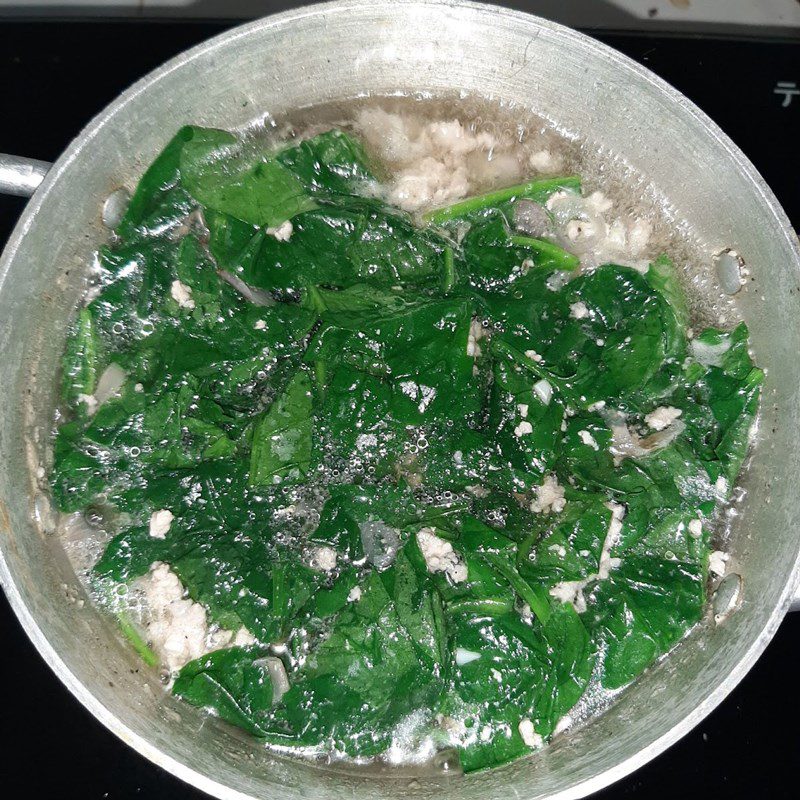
(53, 78)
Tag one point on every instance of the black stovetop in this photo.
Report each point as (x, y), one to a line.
(53, 78)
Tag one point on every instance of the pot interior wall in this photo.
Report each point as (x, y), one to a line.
(327, 53)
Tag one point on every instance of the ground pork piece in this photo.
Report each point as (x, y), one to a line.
(177, 627)
(549, 497)
(439, 555)
(434, 163)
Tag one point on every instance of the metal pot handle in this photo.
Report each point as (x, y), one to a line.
(21, 176)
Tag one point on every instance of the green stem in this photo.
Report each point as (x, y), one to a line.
(534, 190)
(449, 277)
(565, 261)
(535, 597)
(139, 644)
(321, 376)
(312, 300)
(500, 347)
(488, 606)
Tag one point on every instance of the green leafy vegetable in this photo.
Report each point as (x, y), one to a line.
(282, 437)
(81, 359)
(240, 178)
(356, 687)
(235, 683)
(158, 199)
(139, 645)
(495, 256)
(341, 245)
(538, 191)
(330, 163)
(447, 475)
(535, 673)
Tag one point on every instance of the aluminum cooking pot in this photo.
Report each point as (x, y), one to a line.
(328, 52)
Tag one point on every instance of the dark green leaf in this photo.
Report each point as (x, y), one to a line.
(538, 191)
(157, 199)
(235, 684)
(282, 437)
(240, 178)
(361, 681)
(495, 257)
(80, 364)
(331, 162)
(523, 672)
(343, 245)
